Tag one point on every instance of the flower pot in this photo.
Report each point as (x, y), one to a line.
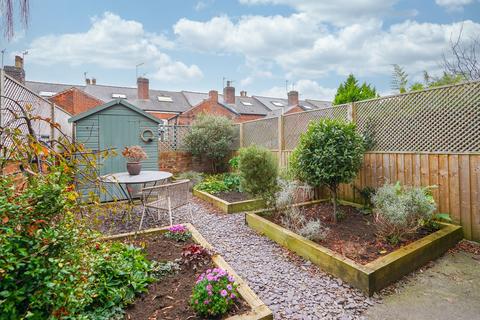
(134, 168)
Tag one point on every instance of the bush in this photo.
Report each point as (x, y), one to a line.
(219, 183)
(214, 294)
(178, 233)
(400, 212)
(293, 219)
(258, 171)
(50, 267)
(211, 137)
(330, 152)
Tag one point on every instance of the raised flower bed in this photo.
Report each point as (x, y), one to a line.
(369, 272)
(171, 296)
(230, 206)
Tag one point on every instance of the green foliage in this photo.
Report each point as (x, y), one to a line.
(400, 212)
(417, 86)
(258, 171)
(178, 233)
(234, 162)
(329, 153)
(50, 267)
(350, 91)
(211, 137)
(399, 79)
(214, 294)
(217, 183)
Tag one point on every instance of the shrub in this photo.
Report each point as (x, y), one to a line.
(400, 211)
(211, 137)
(258, 171)
(314, 230)
(178, 233)
(330, 152)
(293, 219)
(214, 184)
(195, 256)
(50, 267)
(214, 293)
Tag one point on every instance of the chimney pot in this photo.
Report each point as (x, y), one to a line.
(142, 88)
(213, 95)
(243, 93)
(94, 81)
(19, 62)
(293, 98)
(229, 93)
(87, 80)
(17, 72)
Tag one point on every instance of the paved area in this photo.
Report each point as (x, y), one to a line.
(449, 289)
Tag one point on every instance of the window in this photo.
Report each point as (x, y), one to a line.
(246, 103)
(119, 96)
(47, 93)
(278, 104)
(165, 99)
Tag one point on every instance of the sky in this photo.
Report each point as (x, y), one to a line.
(258, 44)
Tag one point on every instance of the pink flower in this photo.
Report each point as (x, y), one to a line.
(206, 302)
(229, 287)
(233, 296)
(209, 287)
(231, 278)
(223, 293)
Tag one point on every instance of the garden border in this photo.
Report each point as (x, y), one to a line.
(371, 277)
(230, 207)
(259, 310)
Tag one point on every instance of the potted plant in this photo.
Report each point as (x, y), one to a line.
(134, 155)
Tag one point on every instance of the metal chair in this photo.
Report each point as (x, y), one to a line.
(166, 197)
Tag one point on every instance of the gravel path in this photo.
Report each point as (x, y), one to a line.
(292, 287)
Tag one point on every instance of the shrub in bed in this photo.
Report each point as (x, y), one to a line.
(258, 171)
(219, 183)
(401, 211)
(178, 233)
(329, 153)
(50, 267)
(195, 256)
(214, 293)
(211, 137)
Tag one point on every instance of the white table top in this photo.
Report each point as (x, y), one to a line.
(143, 177)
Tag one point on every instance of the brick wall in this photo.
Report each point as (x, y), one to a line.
(208, 106)
(178, 161)
(294, 110)
(75, 101)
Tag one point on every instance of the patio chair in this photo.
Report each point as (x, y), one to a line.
(166, 197)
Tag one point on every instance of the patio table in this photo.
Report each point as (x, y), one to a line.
(125, 181)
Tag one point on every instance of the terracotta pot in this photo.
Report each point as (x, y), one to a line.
(134, 168)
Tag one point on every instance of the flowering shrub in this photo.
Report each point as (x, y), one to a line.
(178, 233)
(214, 293)
(134, 153)
(195, 256)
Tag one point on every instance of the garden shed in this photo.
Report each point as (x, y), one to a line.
(115, 125)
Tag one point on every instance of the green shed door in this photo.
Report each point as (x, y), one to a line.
(116, 132)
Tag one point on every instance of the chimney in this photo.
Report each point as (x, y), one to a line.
(243, 93)
(213, 95)
(142, 88)
(94, 81)
(17, 72)
(293, 98)
(87, 80)
(229, 93)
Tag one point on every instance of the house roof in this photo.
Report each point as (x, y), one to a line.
(242, 105)
(110, 104)
(54, 88)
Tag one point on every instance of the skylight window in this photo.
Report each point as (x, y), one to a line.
(164, 99)
(246, 103)
(47, 93)
(307, 107)
(119, 96)
(278, 104)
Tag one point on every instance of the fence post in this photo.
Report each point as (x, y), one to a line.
(241, 135)
(281, 139)
(352, 112)
(52, 116)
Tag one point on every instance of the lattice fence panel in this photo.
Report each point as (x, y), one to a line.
(295, 124)
(171, 137)
(261, 133)
(445, 119)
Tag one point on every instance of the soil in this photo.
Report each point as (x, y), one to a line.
(354, 235)
(169, 297)
(233, 196)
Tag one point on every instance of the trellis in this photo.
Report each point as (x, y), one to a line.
(262, 132)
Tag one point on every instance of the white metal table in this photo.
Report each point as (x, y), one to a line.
(125, 181)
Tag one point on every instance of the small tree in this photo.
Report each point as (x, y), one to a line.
(351, 91)
(258, 171)
(211, 137)
(329, 153)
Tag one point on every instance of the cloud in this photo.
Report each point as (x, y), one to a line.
(305, 48)
(307, 89)
(114, 43)
(339, 12)
(453, 5)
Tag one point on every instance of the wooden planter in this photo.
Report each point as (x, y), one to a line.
(230, 207)
(371, 277)
(259, 311)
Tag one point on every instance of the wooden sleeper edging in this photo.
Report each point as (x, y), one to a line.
(230, 207)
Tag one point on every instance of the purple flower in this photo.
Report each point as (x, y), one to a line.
(206, 302)
(177, 228)
(231, 278)
(229, 287)
(223, 293)
(233, 296)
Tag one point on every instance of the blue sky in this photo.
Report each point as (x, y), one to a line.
(259, 44)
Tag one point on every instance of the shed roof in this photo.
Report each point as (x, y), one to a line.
(111, 104)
